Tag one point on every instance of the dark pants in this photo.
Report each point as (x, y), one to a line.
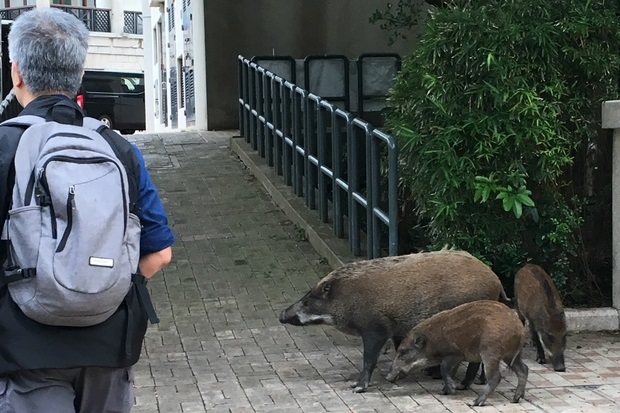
(82, 390)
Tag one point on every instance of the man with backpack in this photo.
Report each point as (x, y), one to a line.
(82, 230)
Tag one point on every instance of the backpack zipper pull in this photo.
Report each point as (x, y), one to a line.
(40, 194)
(72, 196)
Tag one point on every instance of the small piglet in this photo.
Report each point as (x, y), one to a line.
(538, 302)
(480, 331)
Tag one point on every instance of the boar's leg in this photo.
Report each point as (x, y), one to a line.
(470, 375)
(448, 367)
(521, 370)
(491, 366)
(433, 371)
(373, 341)
(396, 341)
(540, 351)
(483, 377)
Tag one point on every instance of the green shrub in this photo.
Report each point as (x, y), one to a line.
(490, 110)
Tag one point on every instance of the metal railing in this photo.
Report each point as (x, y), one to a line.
(133, 22)
(340, 164)
(95, 19)
(9, 107)
(11, 13)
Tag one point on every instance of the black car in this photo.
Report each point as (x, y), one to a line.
(115, 98)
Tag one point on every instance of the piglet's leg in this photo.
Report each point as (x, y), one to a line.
(491, 366)
(373, 343)
(448, 367)
(521, 370)
(540, 351)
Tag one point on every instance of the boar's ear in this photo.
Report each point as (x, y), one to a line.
(326, 289)
(420, 341)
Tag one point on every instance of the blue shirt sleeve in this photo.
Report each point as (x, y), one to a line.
(156, 234)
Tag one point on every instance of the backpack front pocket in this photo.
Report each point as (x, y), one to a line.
(91, 229)
(25, 220)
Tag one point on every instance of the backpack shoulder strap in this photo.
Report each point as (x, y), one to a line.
(125, 152)
(93, 124)
(23, 121)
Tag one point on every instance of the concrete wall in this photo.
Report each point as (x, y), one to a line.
(118, 52)
(281, 27)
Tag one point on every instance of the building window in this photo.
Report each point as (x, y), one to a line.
(85, 3)
(19, 3)
(180, 82)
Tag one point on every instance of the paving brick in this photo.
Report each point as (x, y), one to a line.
(238, 262)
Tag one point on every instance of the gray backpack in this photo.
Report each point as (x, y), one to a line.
(73, 242)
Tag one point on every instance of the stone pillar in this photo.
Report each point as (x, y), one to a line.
(43, 3)
(200, 64)
(117, 17)
(611, 120)
(149, 63)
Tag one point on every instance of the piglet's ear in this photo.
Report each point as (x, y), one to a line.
(420, 341)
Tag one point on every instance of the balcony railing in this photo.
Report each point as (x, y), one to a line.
(133, 22)
(95, 19)
(11, 13)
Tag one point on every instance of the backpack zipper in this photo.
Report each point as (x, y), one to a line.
(43, 180)
(44, 199)
(70, 208)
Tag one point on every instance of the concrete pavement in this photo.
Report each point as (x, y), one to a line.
(238, 261)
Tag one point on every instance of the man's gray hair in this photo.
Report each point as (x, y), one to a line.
(49, 47)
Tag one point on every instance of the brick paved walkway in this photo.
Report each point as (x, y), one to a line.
(239, 261)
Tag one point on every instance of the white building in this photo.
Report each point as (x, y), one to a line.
(172, 28)
(116, 40)
(191, 50)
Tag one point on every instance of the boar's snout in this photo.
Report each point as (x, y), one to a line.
(289, 316)
(394, 374)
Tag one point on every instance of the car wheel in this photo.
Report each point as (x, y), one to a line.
(106, 120)
(127, 132)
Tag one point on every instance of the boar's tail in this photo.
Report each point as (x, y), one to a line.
(503, 298)
(515, 356)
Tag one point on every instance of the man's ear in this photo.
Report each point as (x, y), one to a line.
(16, 75)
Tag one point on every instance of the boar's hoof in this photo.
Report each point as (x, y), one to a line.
(559, 367)
(448, 389)
(541, 360)
(480, 400)
(517, 397)
(359, 387)
(462, 386)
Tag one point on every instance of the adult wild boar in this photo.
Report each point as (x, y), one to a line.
(538, 302)
(386, 297)
(481, 331)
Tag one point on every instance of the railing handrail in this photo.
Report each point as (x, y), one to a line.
(300, 134)
(66, 6)
(13, 8)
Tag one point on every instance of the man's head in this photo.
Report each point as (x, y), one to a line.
(47, 48)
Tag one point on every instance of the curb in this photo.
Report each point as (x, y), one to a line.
(335, 250)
